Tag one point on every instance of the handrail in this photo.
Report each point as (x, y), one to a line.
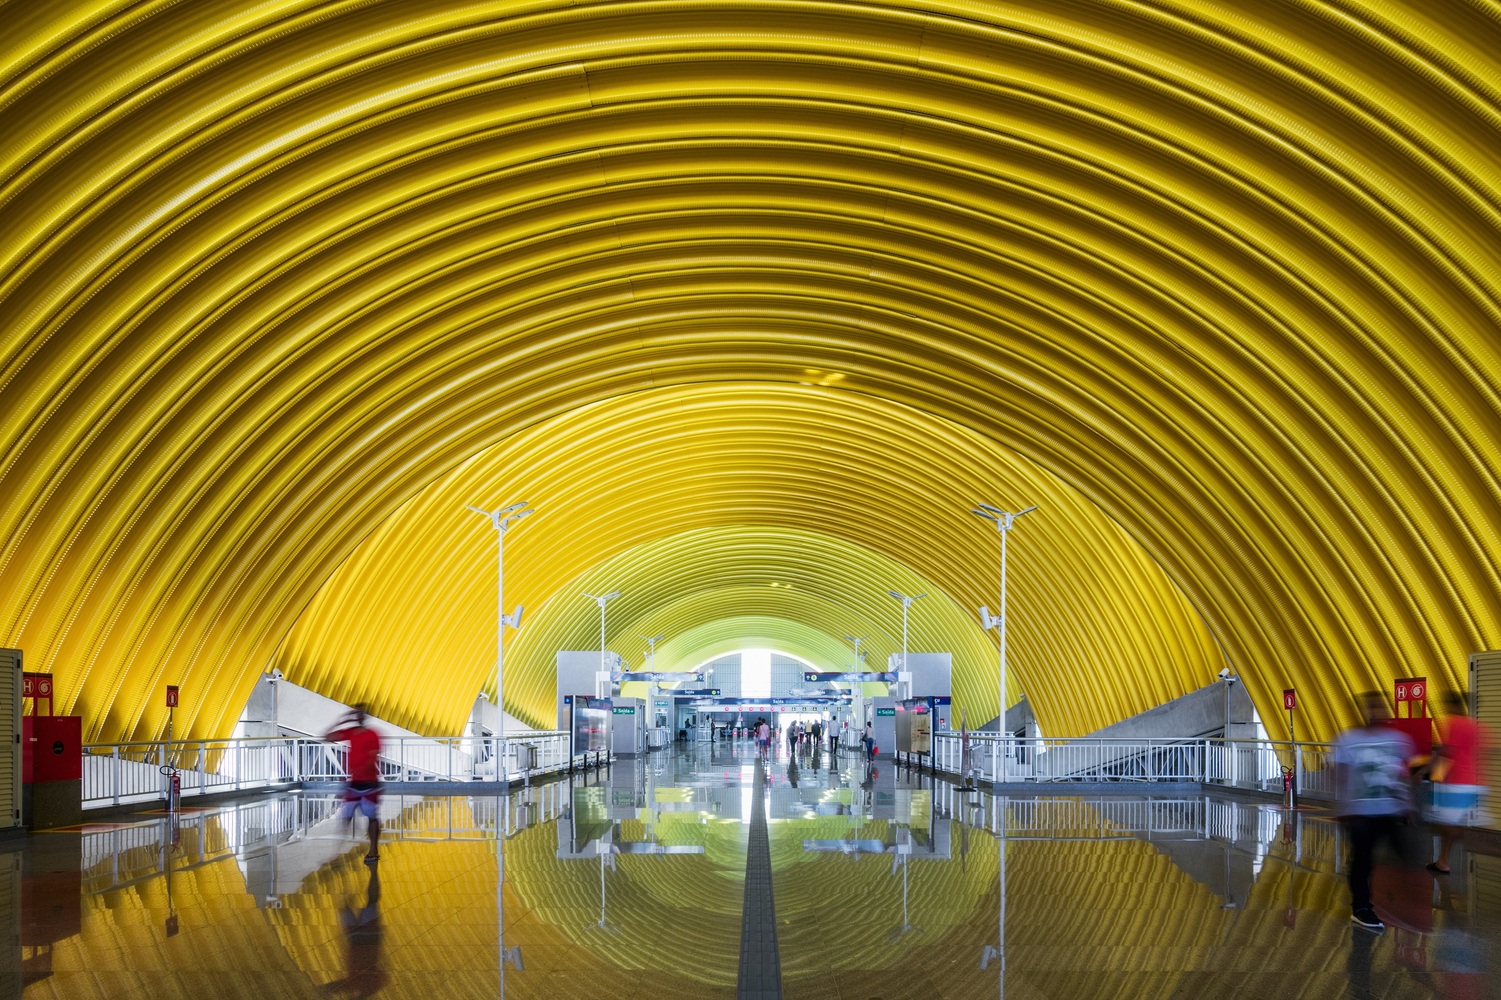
(522, 734)
(142, 771)
(1248, 763)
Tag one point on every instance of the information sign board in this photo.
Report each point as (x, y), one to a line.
(1412, 689)
(851, 677)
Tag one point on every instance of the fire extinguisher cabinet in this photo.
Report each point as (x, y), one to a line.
(51, 771)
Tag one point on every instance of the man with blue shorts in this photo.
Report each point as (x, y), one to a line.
(362, 791)
(1458, 789)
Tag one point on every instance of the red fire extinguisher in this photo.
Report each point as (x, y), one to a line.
(176, 791)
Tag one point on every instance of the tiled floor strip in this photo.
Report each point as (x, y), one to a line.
(760, 965)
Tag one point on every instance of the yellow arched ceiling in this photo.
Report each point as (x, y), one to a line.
(726, 519)
(1226, 275)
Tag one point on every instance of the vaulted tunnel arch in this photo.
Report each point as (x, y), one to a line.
(1221, 283)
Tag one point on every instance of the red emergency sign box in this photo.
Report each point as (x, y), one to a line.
(51, 748)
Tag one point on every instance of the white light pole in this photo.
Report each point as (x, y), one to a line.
(650, 723)
(501, 520)
(1003, 520)
(857, 702)
(651, 655)
(907, 603)
(602, 600)
(599, 687)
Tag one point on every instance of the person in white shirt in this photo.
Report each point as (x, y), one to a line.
(1373, 798)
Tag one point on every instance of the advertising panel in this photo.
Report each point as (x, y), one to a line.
(590, 717)
(922, 729)
(914, 727)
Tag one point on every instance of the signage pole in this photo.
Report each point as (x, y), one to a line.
(167, 767)
(1292, 731)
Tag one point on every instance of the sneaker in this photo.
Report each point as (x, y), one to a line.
(1367, 918)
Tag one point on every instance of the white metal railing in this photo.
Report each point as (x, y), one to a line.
(130, 773)
(1250, 764)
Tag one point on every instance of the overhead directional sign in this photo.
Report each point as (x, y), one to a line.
(765, 704)
(656, 676)
(702, 692)
(853, 677)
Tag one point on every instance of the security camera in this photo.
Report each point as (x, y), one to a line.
(1224, 673)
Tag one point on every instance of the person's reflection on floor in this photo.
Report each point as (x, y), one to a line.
(792, 774)
(1358, 966)
(1460, 951)
(363, 935)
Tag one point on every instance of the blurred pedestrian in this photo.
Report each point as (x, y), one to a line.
(1458, 791)
(362, 791)
(1373, 791)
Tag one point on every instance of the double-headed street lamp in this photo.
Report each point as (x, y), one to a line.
(651, 655)
(907, 603)
(857, 689)
(653, 688)
(602, 600)
(1003, 520)
(604, 672)
(501, 520)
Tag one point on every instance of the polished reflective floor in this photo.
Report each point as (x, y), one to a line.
(631, 883)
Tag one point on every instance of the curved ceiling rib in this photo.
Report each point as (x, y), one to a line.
(274, 272)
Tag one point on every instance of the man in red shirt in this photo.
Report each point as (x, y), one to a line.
(362, 791)
(1458, 791)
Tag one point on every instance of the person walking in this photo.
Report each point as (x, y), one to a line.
(1373, 792)
(1458, 790)
(833, 737)
(869, 739)
(362, 790)
(763, 737)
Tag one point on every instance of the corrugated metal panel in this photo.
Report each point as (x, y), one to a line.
(10, 924)
(10, 746)
(1485, 875)
(1485, 705)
